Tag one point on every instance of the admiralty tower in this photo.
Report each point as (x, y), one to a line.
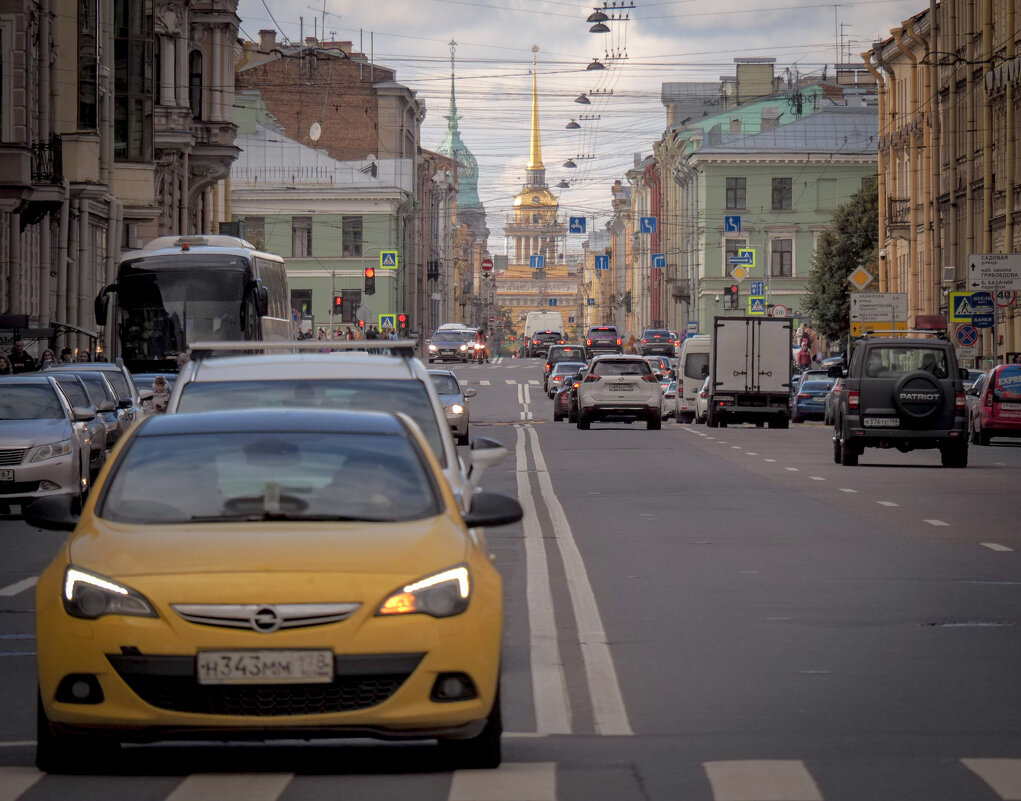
(533, 228)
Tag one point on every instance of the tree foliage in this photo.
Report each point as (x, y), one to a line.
(852, 242)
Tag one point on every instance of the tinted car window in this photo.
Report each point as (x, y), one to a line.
(567, 368)
(119, 383)
(266, 476)
(446, 385)
(893, 362)
(374, 395)
(74, 391)
(817, 386)
(566, 352)
(622, 368)
(448, 336)
(25, 402)
(97, 388)
(656, 333)
(696, 365)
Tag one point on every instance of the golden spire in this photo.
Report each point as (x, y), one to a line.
(535, 153)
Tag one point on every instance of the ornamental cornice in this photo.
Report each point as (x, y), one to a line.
(820, 159)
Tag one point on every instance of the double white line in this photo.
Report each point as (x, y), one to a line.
(549, 686)
(525, 399)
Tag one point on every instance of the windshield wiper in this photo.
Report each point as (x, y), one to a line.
(251, 518)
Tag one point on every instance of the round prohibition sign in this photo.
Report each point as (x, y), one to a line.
(967, 335)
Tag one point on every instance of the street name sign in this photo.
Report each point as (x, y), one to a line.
(993, 271)
(875, 307)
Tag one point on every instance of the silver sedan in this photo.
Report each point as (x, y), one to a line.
(455, 402)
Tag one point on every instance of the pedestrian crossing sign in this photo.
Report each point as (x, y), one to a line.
(388, 260)
(387, 322)
(756, 305)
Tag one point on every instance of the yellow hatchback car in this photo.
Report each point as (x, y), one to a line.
(270, 573)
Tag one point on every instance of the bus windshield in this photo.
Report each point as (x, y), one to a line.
(164, 305)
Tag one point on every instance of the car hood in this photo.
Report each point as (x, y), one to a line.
(120, 550)
(26, 433)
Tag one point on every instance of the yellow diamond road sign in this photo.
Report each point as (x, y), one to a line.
(861, 278)
(739, 273)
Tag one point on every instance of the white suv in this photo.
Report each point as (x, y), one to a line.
(290, 374)
(620, 388)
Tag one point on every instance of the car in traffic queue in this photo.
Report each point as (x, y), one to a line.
(561, 353)
(661, 366)
(270, 573)
(656, 340)
(130, 398)
(455, 403)
(701, 402)
(565, 401)
(832, 399)
(560, 373)
(542, 341)
(379, 375)
(96, 428)
(44, 449)
(620, 388)
(450, 345)
(692, 371)
(810, 400)
(603, 339)
(996, 409)
(103, 399)
(669, 398)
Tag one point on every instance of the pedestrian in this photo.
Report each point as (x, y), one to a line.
(66, 356)
(804, 360)
(321, 335)
(21, 361)
(5, 366)
(84, 355)
(160, 394)
(46, 359)
(349, 335)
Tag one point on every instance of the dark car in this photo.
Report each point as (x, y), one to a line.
(603, 339)
(901, 393)
(996, 408)
(542, 341)
(832, 399)
(810, 402)
(565, 401)
(656, 340)
(562, 353)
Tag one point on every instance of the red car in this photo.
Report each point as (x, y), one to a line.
(565, 402)
(996, 410)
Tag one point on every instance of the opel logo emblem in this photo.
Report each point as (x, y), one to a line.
(265, 620)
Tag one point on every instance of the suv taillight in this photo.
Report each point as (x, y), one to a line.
(852, 399)
(960, 402)
(643, 342)
(548, 367)
(618, 340)
(591, 377)
(588, 341)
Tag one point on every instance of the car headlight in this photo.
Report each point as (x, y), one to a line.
(432, 347)
(51, 451)
(455, 408)
(91, 596)
(442, 595)
(463, 347)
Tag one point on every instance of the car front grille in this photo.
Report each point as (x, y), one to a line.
(18, 487)
(168, 682)
(10, 456)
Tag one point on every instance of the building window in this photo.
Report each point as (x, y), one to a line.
(736, 189)
(195, 84)
(301, 237)
(133, 85)
(782, 194)
(255, 231)
(730, 248)
(351, 300)
(88, 64)
(781, 258)
(301, 302)
(351, 247)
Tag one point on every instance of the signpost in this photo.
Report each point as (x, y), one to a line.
(1005, 298)
(739, 273)
(745, 256)
(536, 261)
(732, 224)
(993, 271)
(388, 260)
(966, 338)
(387, 322)
(757, 287)
(878, 311)
(603, 262)
(973, 307)
(779, 311)
(861, 278)
(756, 306)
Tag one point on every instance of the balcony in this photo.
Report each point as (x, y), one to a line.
(47, 161)
(898, 214)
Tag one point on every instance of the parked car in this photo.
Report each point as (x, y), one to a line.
(656, 340)
(231, 621)
(996, 408)
(832, 399)
(810, 402)
(560, 373)
(702, 402)
(73, 388)
(43, 449)
(620, 387)
(455, 402)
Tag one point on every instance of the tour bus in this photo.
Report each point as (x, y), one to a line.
(181, 289)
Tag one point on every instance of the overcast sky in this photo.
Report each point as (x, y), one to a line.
(661, 41)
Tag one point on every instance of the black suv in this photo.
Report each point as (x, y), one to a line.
(656, 341)
(561, 353)
(603, 339)
(542, 341)
(901, 393)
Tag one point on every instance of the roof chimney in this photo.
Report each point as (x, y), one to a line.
(267, 39)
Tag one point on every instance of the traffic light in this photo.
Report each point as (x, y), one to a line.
(370, 280)
(402, 322)
(361, 323)
(732, 296)
(338, 303)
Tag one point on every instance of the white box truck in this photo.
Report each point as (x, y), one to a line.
(541, 322)
(750, 365)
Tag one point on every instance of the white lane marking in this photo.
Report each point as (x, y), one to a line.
(607, 701)
(509, 381)
(484, 382)
(231, 787)
(521, 394)
(769, 460)
(534, 382)
(736, 447)
(528, 396)
(848, 490)
(995, 546)
(750, 453)
(792, 469)
(936, 523)
(15, 781)
(549, 687)
(528, 416)
(512, 781)
(887, 503)
(522, 415)
(1003, 775)
(19, 586)
(817, 478)
(761, 780)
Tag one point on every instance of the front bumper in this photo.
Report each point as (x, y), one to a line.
(58, 476)
(458, 422)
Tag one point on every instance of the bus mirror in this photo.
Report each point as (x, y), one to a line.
(261, 298)
(103, 302)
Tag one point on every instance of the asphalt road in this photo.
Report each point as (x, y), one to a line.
(692, 614)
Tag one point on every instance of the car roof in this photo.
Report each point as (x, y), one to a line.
(26, 378)
(87, 367)
(291, 420)
(433, 371)
(628, 357)
(304, 366)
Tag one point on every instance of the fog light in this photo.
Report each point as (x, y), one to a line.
(79, 688)
(48, 485)
(453, 687)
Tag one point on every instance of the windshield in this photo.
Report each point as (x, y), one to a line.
(817, 386)
(567, 368)
(446, 385)
(547, 336)
(164, 305)
(629, 367)
(449, 336)
(214, 477)
(894, 361)
(372, 395)
(97, 388)
(119, 383)
(27, 402)
(569, 353)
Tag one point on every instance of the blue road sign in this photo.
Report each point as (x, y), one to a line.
(295, 316)
(975, 307)
(552, 301)
(591, 302)
(732, 224)
(388, 259)
(603, 262)
(967, 336)
(576, 225)
(746, 257)
(756, 305)
(757, 288)
(691, 327)
(537, 261)
(388, 321)
(659, 261)
(647, 225)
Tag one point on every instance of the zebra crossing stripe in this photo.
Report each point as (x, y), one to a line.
(761, 780)
(15, 781)
(512, 781)
(232, 787)
(1003, 775)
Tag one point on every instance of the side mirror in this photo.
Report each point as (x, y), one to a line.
(470, 393)
(145, 394)
(835, 371)
(53, 513)
(485, 453)
(492, 509)
(105, 406)
(102, 303)
(83, 414)
(963, 372)
(125, 403)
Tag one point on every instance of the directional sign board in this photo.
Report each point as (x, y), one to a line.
(732, 224)
(591, 301)
(388, 260)
(647, 225)
(387, 322)
(603, 262)
(658, 261)
(992, 271)
(757, 288)
(536, 261)
(576, 225)
(691, 327)
(972, 307)
(745, 256)
(879, 307)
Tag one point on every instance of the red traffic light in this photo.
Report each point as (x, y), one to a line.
(402, 318)
(370, 272)
(361, 323)
(338, 301)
